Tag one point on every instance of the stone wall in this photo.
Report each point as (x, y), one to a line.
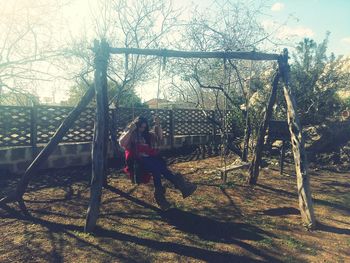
(16, 159)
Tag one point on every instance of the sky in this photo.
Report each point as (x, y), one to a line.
(290, 20)
(313, 18)
(295, 20)
(299, 18)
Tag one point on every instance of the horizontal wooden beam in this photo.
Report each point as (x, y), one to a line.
(195, 54)
(233, 167)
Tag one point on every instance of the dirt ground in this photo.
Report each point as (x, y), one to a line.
(228, 222)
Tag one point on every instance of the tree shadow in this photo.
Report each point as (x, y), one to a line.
(207, 228)
(172, 247)
(32, 247)
(58, 178)
(346, 185)
(317, 201)
(132, 199)
(210, 229)
(204, 227)
(280, 211)
(332, 229)
(232, 204)
(181, 249)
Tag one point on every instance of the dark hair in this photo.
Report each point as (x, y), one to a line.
(146, 134)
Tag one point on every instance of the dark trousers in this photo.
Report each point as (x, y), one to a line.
(157, 167)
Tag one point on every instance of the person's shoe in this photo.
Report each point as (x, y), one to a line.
(186, 188)
(159, 196)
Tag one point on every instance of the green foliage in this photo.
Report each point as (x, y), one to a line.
(236, 117)
(128, 98)
(122, 96)
(237, 120)
(346, 103)
(315, 80)
(260, 88)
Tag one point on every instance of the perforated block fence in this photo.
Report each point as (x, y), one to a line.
(30, 126)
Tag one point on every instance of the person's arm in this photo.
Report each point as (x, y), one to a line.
(124, 139)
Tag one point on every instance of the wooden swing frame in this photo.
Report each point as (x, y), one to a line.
(102, 53)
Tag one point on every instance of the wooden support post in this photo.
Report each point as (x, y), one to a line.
(297, 141)
(255, 165)
(99, 146)
(223, 176)
(247, 133)
(203, 149)
(49, 148)
(107, 117)
(283, 150)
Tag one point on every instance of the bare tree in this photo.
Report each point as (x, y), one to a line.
(134, 24)
(230, 26)
(27, 47)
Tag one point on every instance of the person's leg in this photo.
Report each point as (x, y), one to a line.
(164, 170)
(186, 188)
(151, 167)
(157, 167)
(159, 191)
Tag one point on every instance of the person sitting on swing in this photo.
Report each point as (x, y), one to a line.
(142, 158)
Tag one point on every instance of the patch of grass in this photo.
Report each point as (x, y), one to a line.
(299, 245)
(148, 234)
(266, 242)
(341, 200)
(240, 177)
(208, 245)
(267, 223)
(346, 199)
(199, 198)
(154, 216)
(193, 226)
(248, 201)
(180, 206)
(83, 235)
(228, 185)
(290, 260)
(294, 243)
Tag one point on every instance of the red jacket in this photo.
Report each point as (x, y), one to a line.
(132, 156)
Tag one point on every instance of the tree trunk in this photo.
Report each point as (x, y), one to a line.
(297, 141)
(106, 115)
(255, 165)
(99, 147)
(49, 148)
(247, 133)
